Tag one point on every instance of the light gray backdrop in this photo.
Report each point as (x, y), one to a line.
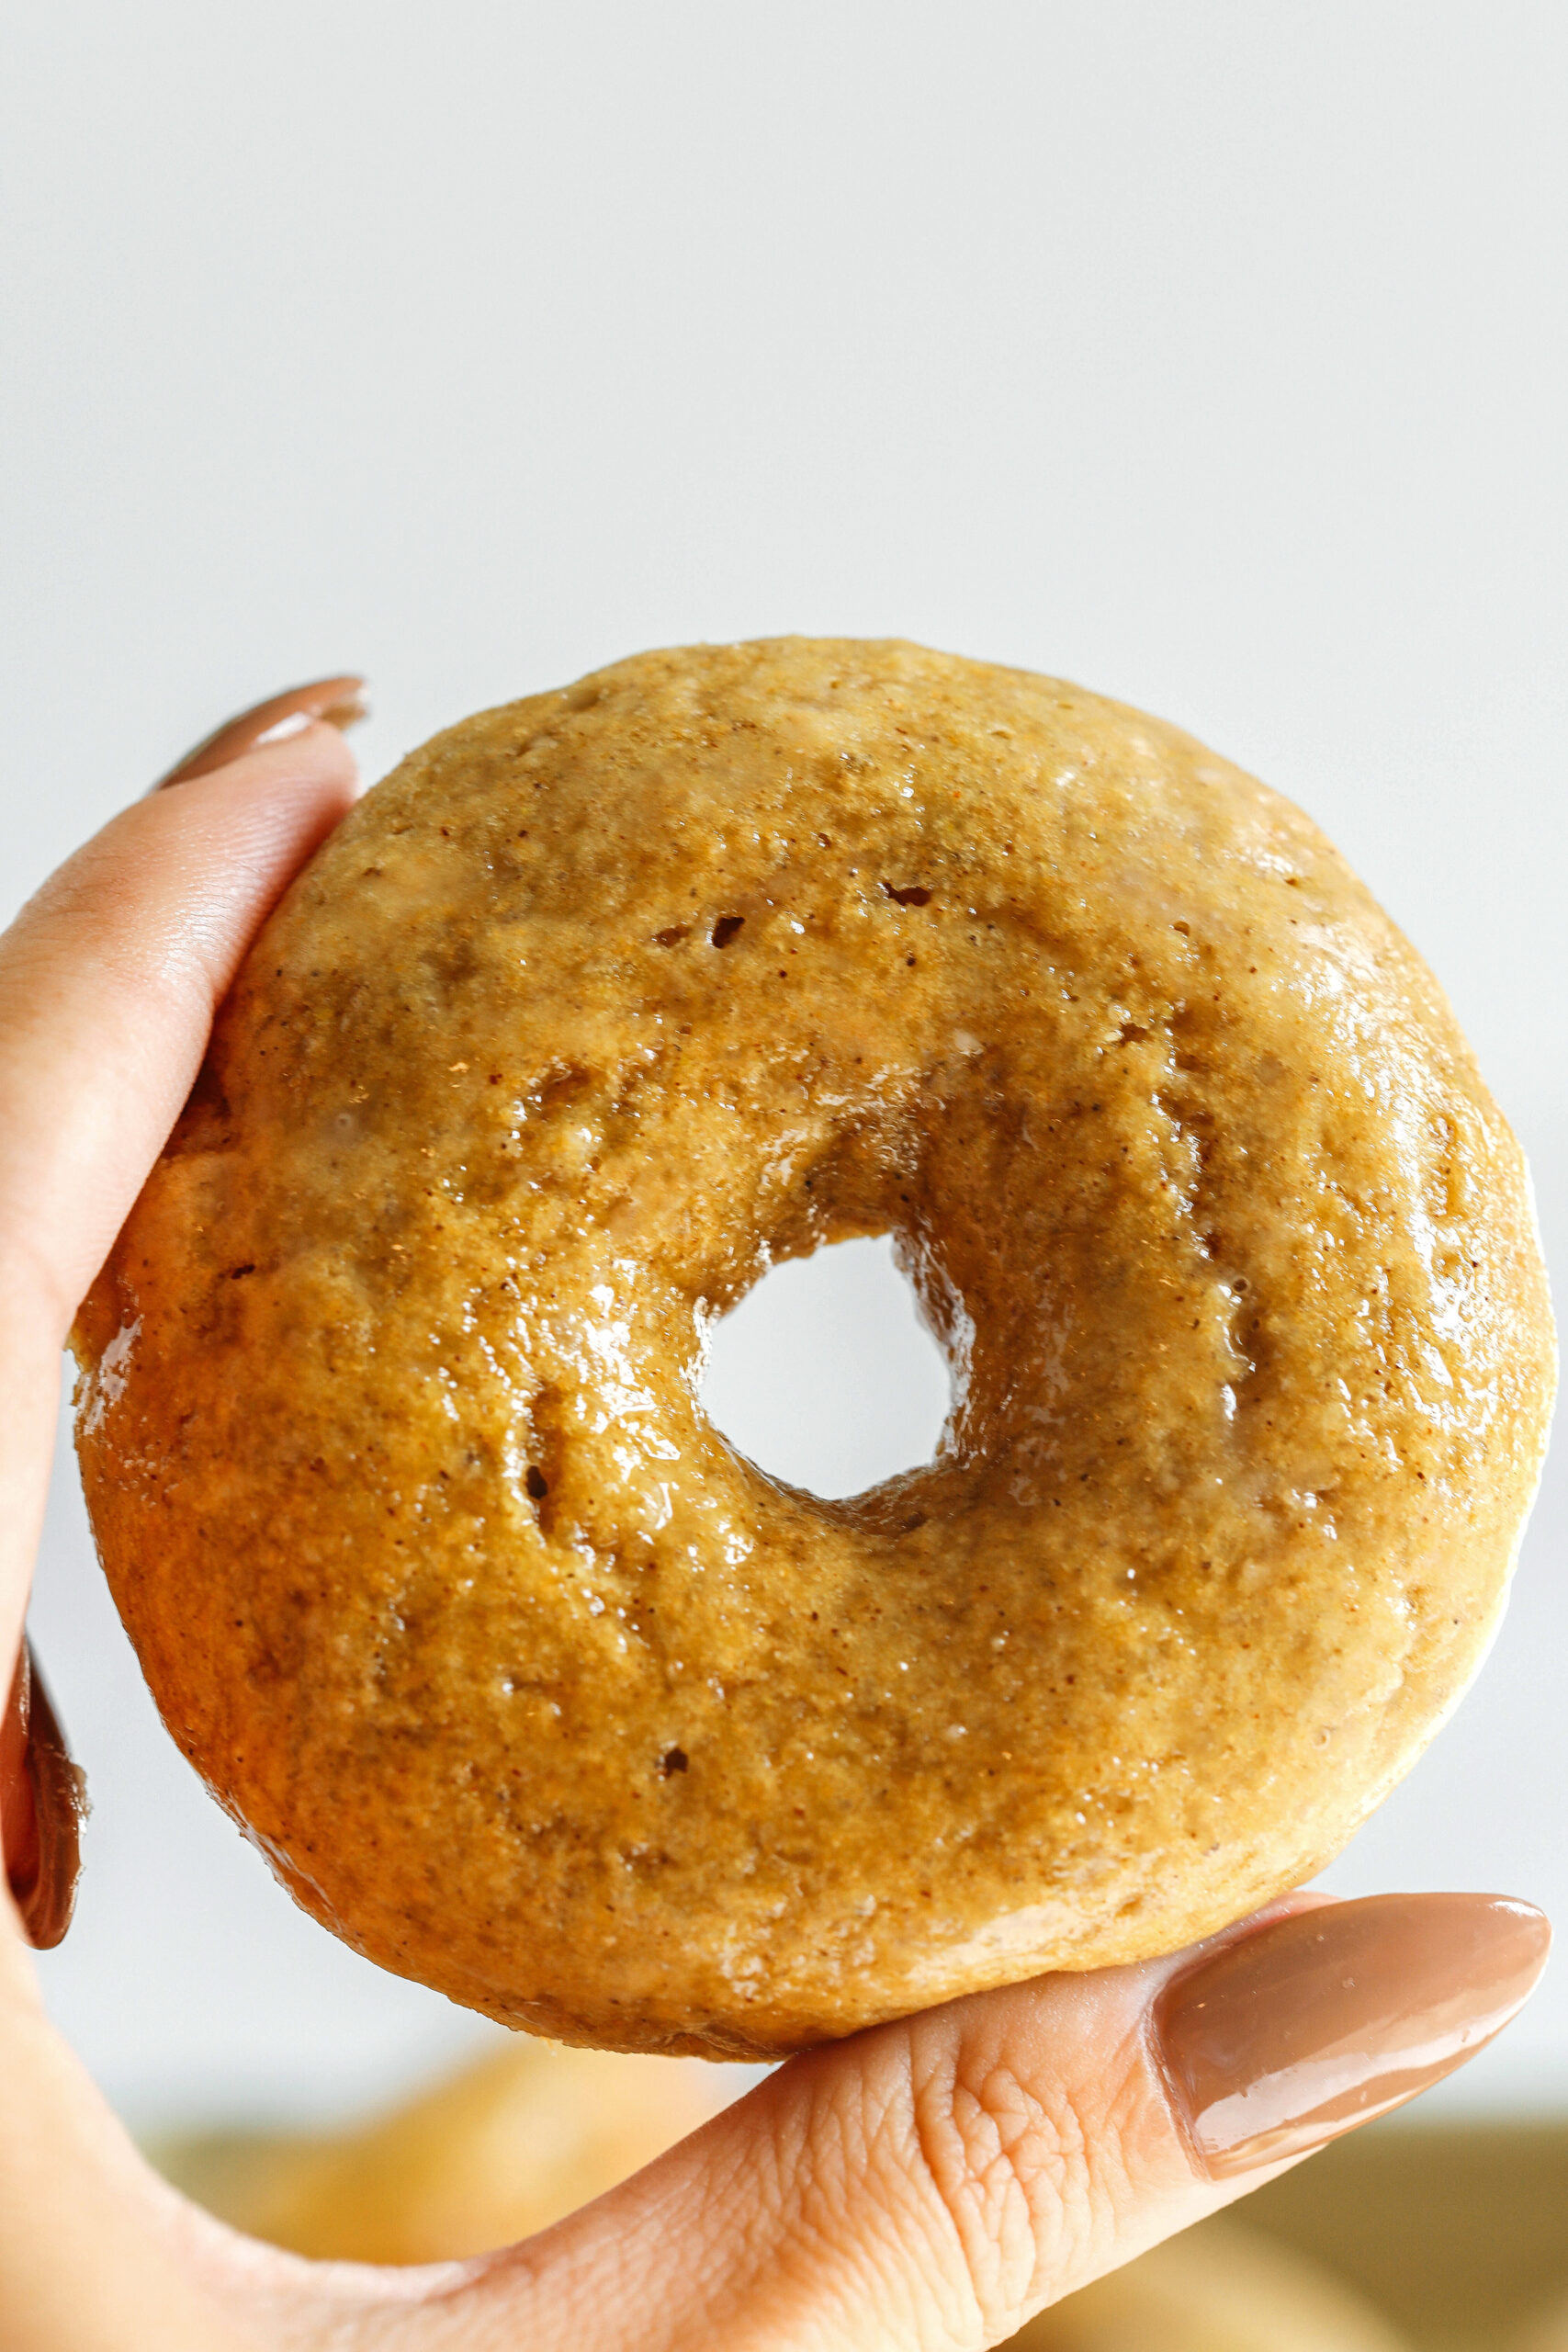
(1210, 354)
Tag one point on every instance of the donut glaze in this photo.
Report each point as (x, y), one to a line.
(528, 1684)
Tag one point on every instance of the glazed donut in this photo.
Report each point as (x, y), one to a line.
(527, 1683)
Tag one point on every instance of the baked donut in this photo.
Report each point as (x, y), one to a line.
(525, 1681)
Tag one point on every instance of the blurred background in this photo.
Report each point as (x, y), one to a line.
(1212, 355)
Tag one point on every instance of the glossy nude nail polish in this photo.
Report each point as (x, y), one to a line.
(1317, 2023)
(43, 1800)
(338, 701)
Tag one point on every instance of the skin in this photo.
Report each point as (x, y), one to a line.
(927, 2183)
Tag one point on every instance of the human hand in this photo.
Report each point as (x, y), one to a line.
(926, 2184)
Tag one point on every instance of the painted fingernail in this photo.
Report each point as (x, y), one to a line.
(340, 701)
(43, 1802)
(1317, 2023)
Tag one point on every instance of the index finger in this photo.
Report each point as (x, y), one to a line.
(108, 982)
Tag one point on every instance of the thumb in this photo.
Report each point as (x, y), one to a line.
(935, 2182)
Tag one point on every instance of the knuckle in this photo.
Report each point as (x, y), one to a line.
(1024, 2169)
(946, 2176)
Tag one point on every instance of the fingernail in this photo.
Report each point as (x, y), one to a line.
(1317, 2023)
(43, 1801)
(340, 701)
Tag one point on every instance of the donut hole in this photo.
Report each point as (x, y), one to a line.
(825, 1374)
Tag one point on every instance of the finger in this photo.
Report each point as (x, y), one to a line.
(936, 2182)
(94, 2253)
(339, 701)
(108, 980)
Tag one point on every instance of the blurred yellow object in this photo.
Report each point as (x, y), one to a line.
(507, 2146)
(1221, 2288)
(1458, 2231)
(1548, 2331)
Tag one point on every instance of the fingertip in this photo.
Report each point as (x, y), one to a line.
(243, 828)
(339, 702)
(110, 976)
(313, 761)
(1280, 2041)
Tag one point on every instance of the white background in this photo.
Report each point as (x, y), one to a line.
(1211, 354)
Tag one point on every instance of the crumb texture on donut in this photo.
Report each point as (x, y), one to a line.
(528, 1684)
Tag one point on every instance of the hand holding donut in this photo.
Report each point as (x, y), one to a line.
(929, 2181)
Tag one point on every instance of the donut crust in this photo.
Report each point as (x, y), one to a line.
(523, 1681)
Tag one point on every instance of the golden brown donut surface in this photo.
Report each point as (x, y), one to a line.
(526, 1682)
